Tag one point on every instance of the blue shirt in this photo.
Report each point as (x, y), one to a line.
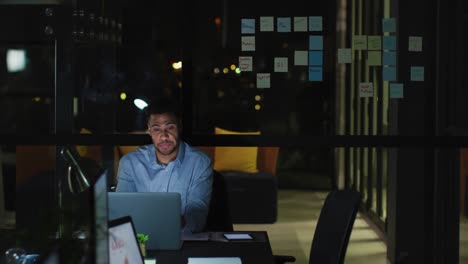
(190, 174)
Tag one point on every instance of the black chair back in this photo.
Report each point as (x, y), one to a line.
(334, 227)
(219, 217)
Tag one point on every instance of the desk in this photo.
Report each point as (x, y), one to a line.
(253, 251)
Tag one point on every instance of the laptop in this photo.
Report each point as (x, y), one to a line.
(156, 214)
(123, 244)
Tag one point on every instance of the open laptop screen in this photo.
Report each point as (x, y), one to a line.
(123, 244)
(156, 214)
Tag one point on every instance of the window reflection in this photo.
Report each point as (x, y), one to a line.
(288, 103)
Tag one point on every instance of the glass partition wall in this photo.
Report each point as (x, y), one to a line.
(365, 115)
(271, 77)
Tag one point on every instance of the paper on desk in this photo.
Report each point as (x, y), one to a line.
(150, 261)
(203, 236)
(215, 260)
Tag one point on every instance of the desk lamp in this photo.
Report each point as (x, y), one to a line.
(81, 173)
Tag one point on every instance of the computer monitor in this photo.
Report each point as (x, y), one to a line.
(99, 221)
(64, 251)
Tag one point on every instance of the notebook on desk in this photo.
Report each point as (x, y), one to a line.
(157, 214)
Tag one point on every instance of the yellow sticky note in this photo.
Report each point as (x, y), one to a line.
(266, 24)
(300, 24)
(281, 64)
(374, 43)
(374, 58)
(248, 43)
(263, 80)
(301, 58)
(359, 42)
(366, 89)
(245, 63)
(345, 56)
(415, 43)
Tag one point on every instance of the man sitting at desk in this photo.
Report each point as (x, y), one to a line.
(169, 165)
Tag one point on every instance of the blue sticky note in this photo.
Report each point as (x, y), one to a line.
(389, 43)
(389, 58)
(315, 73)
(248, 26)
(284, 24)
(315, 23)
(396, 90)
(389, 73)
(316, 42)
(315, 58)
(388, 25)
(417, 73)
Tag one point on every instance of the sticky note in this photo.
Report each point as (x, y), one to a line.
(396, 90)
(245, 63)
(315, 73)
(344, 56)
(359, 42)
(374, 42)
(389, 58)
(301, 58)
(316, 42)
(284, 24)
(389, 43)
(366, 89)
(266, 24)
(248, 26)
(417, 73)
(389, 73)
(263, 80)
(415, 43)
(281, 64)
(315, 23)
(389, 25)
(315, 58)
(248, 43)
(374, 58)
(300, 24)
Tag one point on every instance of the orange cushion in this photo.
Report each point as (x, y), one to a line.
(90, 152)
(235, 158)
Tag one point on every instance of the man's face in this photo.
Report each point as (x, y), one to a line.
(164, 132)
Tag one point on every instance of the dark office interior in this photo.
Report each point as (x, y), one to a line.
(73, 72)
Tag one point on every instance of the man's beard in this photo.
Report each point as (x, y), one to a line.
(167, 151)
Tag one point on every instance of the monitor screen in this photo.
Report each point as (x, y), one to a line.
(100, 219)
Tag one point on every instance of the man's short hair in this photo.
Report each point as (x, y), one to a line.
(164, 105)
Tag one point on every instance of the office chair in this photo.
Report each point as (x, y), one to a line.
(245, 204)
(219, 217)
(333, 229)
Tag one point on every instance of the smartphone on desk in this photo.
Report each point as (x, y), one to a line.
(238, 236)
